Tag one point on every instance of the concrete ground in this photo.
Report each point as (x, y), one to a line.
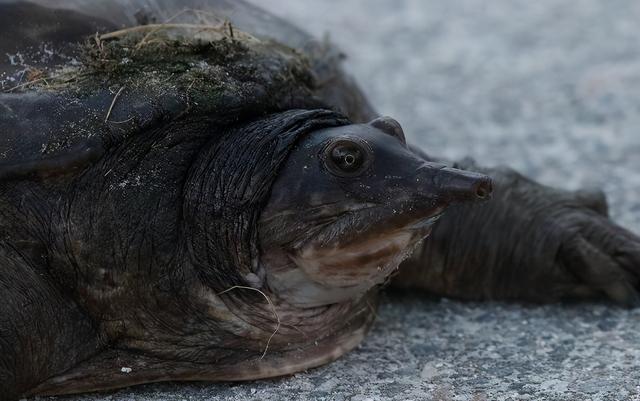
(551, 87)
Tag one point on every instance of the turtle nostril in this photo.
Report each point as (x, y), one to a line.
(484, 189)
(461, 186)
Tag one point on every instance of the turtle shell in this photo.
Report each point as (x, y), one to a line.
(87, 70)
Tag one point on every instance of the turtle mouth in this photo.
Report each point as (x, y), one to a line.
(372, 221)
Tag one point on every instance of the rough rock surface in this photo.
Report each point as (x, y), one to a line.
(550, 87)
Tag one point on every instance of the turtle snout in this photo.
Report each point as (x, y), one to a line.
(462, 186)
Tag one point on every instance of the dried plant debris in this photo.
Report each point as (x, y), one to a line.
(170, 57)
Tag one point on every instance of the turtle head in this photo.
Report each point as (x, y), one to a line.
(348, 206)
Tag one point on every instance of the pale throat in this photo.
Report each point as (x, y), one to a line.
(322, 275)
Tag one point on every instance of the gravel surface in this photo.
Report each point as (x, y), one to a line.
(550, 87)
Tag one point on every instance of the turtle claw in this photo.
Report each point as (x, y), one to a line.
(607, 260)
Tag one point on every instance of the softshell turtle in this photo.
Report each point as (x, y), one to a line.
(198, 192)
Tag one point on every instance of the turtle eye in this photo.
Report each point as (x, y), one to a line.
(347, 158)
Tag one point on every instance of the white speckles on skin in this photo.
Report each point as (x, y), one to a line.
(16, 59)
(46, 50)
(34, 59)
(129, 182)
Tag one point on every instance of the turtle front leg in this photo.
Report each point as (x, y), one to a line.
(529, 242)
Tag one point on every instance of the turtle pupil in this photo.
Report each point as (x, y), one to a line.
(347, 157)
